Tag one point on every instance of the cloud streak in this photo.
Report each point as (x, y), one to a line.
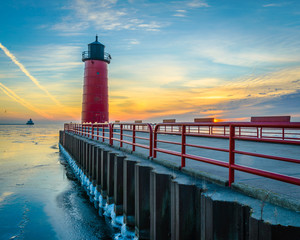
(272, 5)
(23, 102)
(25, 71)
(36, 82)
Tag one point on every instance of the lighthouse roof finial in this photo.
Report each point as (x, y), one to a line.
(96, 37)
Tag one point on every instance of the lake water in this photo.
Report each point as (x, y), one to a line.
(37, 200)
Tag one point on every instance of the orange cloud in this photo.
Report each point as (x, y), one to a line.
(144, 101)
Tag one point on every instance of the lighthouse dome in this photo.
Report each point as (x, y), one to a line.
(96, 52)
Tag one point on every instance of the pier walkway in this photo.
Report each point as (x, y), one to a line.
(260, 160)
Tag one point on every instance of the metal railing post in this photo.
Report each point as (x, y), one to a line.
(121, 135)
(183, 147)
(111, 134)
(133, 138)
(154, 141)
(92, 131)
(103, 129)
(231, 153)
(150, 140)
(97, 133)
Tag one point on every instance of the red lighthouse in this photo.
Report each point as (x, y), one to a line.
(95, 87)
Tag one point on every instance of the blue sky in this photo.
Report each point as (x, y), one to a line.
(170, 59)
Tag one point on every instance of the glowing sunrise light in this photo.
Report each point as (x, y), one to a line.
(165, 64)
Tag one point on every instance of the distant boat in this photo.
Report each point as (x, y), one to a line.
(30, 122)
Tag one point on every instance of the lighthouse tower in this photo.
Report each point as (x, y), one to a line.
(95, 87)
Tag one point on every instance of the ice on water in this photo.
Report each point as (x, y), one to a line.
(105, 209)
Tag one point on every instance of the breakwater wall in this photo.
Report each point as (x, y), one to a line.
(161, 203)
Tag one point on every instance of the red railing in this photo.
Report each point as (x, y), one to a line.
(122, 129)
(222, 131)
(184, 132)
(130, 133)
(295, 140)
(233, 128)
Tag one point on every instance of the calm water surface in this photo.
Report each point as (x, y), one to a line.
(37, 200)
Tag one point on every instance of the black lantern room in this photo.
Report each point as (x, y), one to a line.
(96, 52)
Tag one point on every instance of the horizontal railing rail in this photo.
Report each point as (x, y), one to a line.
(221, 130)
(143, 135)
(120, 128)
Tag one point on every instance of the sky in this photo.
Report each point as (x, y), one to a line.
(182, 59)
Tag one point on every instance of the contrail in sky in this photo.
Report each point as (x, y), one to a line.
(25, 71)
(26, 104)
(34, 80)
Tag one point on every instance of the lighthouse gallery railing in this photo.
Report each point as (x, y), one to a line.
(87, 55)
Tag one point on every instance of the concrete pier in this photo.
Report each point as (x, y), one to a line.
(160, 202)
(260, 230)
(98, 168)
(142, 201)
(110, 177)
(89, 161)
(94, 164)
(185, 202)
(163, 203)
(129, 192)
(81, 154)
(85, 158)
(118, 184)
(104, 166)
